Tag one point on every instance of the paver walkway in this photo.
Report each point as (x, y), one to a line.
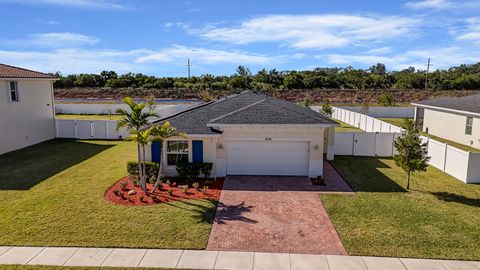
(273, 214)
(202, 259)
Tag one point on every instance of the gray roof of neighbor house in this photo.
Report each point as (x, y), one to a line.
(245, 108)
(467, 103)
(7, 71)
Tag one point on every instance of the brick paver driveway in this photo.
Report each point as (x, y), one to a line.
(272, 214)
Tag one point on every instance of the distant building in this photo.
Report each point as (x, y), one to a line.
(453, 118)
(26, 108)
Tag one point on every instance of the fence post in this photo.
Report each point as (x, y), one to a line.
(353, 143)
(92, 129)
(445, 158)
(106, 130)
(75, 131)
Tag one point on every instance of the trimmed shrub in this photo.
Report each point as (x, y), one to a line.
(183, 169)
(151, 168)
(192, 170)
(207, 169)
(188, 169)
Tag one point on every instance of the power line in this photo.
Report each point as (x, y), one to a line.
(426, 73)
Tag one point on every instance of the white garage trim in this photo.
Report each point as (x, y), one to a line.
(261, 157)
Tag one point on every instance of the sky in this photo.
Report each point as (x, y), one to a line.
(156, 37)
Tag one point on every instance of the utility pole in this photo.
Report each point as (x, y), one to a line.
(188, 67)
(426, 73)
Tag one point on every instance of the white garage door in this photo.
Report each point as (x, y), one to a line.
(267, 158)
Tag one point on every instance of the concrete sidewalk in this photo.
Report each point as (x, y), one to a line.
(202, 259)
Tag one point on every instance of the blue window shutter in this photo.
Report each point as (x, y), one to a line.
(156, 151)
(197, 151)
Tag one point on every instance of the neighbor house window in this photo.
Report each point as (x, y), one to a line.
(13, 87)
(469, 126)
(177, 151)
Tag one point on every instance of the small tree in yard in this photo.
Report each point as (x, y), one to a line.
(160, 133)
(364, 108)
(386, 100)
(142, 138)
(134, 119)
(412, 153)
(326, 108)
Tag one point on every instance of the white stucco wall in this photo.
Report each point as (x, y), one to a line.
(217, 155)
(452, 127)
(29, 121)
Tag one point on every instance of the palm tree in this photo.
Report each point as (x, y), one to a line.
(142, 138)
(160, 133)
(134, 119)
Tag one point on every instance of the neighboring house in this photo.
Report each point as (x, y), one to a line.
(453, 118)
(26, 108)
(250, 134)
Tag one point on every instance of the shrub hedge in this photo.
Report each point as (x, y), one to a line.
(151, 168)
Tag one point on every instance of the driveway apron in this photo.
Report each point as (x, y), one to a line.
(272, 214)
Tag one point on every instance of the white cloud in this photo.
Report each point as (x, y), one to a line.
(429, 4)
(381, 50)
(96, 4)
(441, 58)
(62, 40)
(298, 56)
(472, 32)
(311, 31)
(193, 10)
(443, 4)
(72, 60)
(205, 56)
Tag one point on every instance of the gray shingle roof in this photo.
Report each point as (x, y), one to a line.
(245, 108)
(467, 103)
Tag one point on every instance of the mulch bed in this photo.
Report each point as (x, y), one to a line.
(119, 195)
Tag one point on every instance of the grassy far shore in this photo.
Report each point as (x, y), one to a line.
(51, 194)
(344, 127)
(438, 217)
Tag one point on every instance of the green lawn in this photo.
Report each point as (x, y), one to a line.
(51, 194)
(394, 121)
(89, 116)
(344, 127)
(398, 122)
(438, 218)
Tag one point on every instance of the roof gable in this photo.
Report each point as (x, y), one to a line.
(272, 111)
(244, 108)
(467, 103)
(7, 71)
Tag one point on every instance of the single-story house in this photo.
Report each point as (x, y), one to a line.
(453, 118)
(26, 107)
(249, 134)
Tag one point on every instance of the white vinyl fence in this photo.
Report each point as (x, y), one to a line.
(370, 144)
(463, 165)
(89, 129)
(362, 121)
